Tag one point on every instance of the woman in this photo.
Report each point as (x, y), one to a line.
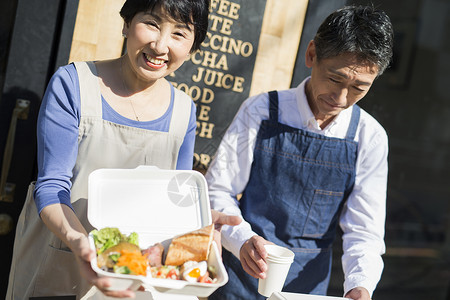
(119, 113)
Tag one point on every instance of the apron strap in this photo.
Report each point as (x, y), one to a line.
(354, 121)
(273, 106)
(90, 97)
(181, 113)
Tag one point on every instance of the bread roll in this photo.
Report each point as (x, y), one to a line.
(194, 246)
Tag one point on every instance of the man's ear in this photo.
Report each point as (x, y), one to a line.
(310, 55)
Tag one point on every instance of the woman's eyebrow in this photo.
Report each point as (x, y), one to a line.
(159, 20)
(184, 26)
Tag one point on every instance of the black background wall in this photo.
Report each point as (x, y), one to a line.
(35, 38)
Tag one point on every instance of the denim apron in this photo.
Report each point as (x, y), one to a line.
(298, 184)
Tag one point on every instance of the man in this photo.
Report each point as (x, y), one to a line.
(307, 159)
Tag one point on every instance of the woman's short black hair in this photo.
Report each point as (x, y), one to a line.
(360, 30)
(193, 12)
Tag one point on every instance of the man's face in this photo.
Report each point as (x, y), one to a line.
(336, 83)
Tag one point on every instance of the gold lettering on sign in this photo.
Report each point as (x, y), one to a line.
(201, 160)
(219, 79)
(226, 8)
(213, 70)
(210, 59)
(205, 95)
(203, 113)
(227, 45)
(204, 129)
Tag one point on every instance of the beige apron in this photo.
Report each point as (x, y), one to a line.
(42, 265)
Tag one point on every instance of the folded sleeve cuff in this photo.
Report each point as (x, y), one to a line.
(359, 281)
(233, 237)
(46, 198)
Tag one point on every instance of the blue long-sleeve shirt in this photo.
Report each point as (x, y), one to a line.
(57, 136)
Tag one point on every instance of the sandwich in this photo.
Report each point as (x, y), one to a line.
(192, 246)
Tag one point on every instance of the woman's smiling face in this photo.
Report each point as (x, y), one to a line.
(157, 45)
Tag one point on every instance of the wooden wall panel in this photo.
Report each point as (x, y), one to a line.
(278, 45)
(98, 30)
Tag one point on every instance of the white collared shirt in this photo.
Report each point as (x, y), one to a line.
(363, 216)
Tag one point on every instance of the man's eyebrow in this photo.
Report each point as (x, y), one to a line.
(359, 82)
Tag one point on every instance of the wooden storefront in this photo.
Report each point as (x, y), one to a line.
(254, 46)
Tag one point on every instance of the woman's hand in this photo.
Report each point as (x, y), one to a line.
(63, 222)
(219, 219)
(358, 293)
(84, 254)
(253, 256)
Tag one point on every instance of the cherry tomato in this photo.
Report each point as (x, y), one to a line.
(172, 274)
(205, 278)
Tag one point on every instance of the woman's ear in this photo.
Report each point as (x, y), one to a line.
(310, 55)
(125, 30)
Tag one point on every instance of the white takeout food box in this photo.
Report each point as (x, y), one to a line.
(295, 296)
(158, 205)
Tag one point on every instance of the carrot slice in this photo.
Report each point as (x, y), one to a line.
(135, 261)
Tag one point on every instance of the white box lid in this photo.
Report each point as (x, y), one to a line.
(158, 204)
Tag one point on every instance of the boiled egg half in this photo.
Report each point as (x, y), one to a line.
(194, 270)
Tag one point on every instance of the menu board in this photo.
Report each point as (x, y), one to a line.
(218, 77)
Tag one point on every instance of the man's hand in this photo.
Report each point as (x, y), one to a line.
(358, 293)
(253, 256)
(219, 219)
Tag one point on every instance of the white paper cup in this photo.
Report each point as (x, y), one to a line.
(276, 252)
(279, 260)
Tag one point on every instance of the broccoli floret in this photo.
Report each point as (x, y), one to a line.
(122, 270)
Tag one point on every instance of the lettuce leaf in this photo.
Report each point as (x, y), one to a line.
(110, 236)
(133, 238)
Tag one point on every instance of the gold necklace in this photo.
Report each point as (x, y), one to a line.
(126, 90)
